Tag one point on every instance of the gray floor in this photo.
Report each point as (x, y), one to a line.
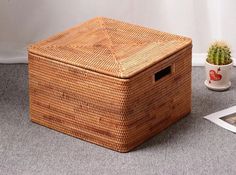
(191, 146)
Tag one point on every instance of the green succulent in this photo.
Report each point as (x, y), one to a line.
(219, 53)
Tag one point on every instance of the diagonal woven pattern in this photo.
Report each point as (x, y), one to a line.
(110, 47)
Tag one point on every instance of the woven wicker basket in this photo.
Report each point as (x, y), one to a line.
(110, 83)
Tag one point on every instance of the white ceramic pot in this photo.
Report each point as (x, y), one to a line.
(218, 76)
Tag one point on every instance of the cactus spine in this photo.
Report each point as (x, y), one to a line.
(219, 54)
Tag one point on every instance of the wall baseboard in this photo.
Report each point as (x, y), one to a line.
(13, 60)
(198, 59)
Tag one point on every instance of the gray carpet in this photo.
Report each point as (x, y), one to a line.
(191, 146)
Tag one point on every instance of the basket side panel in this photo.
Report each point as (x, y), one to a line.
(153, 104)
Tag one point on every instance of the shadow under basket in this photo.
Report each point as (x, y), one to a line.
(110, 83)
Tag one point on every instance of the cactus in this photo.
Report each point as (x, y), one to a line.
(219, 54)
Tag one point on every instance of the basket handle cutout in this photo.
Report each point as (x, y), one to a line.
(162, 73)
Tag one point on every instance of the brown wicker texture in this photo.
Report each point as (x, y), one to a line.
(110, 83)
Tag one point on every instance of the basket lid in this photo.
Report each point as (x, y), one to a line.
(110, 47)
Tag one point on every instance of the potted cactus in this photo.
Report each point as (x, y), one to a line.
(218, 66)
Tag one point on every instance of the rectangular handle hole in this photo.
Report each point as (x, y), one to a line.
(162, 73)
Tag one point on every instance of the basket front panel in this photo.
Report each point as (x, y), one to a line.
(78, 102)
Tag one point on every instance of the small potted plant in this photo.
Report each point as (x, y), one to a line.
(218, 66)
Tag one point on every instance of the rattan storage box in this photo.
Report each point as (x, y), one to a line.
(110, 83)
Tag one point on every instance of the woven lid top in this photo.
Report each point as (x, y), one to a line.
(110, 47)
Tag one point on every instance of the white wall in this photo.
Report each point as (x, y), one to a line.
(25, 21)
